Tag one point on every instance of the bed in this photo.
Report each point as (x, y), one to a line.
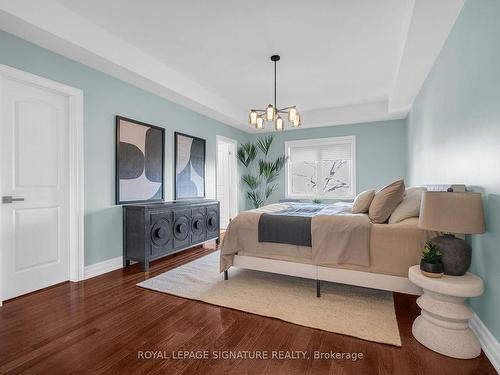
(369, 255)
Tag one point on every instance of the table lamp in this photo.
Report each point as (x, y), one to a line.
(452, 213)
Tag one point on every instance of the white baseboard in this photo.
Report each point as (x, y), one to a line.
(97, 269)
(489, 343)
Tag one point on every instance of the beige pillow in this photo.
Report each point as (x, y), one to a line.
(385, 201)
(409, 207)
(362, 202)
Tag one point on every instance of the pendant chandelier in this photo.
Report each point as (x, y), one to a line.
(272, 113)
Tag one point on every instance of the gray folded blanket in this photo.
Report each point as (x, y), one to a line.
(290, 226)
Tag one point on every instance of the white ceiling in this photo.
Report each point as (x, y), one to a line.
(343, 61)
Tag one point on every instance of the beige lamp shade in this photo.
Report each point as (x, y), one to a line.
(452, 212)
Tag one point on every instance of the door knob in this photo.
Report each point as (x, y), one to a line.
(10, 199)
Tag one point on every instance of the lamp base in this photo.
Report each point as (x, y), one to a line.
(457, 254)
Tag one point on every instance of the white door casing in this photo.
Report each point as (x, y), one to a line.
(227, 179)
(223, 183)
(41, 238)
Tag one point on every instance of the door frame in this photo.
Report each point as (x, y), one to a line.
(234, 205)
(76, 169)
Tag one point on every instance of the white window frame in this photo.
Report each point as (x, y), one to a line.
(320, 142)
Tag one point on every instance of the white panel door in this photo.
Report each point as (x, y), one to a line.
(223, 183)
(35, 187)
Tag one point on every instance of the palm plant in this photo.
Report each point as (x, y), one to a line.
(247, 153)
(264, 144)
(259, 179)
(267, 171)
(256, 198)
(251, 181)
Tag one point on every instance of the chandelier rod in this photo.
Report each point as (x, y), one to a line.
(275, 106)
(275, 59)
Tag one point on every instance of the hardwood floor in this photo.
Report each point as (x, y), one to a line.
(102, 325)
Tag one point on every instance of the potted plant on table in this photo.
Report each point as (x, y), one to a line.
(431, 265)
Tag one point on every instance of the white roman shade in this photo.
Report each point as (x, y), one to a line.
(321, 168)
(333, 151)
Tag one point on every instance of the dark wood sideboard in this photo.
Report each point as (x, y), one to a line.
(152, 231)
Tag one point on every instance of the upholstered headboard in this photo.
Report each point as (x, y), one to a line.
(436, 187)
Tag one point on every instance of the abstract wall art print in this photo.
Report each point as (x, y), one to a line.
(189, 166)
(140, 159)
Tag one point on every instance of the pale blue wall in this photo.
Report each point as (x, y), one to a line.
(380, 151)
(381, 146)
(454, 133)
(105, 97)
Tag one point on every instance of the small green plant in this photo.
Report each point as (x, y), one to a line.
(316, 200)
(431, 254)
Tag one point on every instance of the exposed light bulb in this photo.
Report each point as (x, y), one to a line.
(278, 125)
(252, 118)
(292, 113)
(259, 124)
(296, 121)
(270, 113)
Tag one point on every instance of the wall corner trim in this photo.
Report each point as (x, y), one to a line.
(105, 266)
(489, 344)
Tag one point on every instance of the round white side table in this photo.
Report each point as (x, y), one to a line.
(443, 325)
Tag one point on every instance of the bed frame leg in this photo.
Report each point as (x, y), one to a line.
(318, 288)
(226, 276)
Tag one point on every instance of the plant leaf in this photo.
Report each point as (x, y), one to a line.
(279, 163)
(251, 181)
(242, 156)
(247, 153)
(431, 253)
(264, 143)
(256, 198)
(267, 171)
(270, 190)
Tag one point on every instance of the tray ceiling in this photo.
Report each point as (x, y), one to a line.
(342, 61)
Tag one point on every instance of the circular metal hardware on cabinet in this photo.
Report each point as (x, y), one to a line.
(160, 232)
(212, 220)
(197, 224)
(181, 225)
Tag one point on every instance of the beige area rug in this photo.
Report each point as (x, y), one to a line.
(360, 312)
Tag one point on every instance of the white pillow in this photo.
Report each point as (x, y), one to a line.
(409, 206)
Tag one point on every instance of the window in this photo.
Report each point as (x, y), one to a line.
(321, 168)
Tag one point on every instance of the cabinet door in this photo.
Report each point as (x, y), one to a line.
(160, 233)
(198, 226)
(212, 221)
(181, 227)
